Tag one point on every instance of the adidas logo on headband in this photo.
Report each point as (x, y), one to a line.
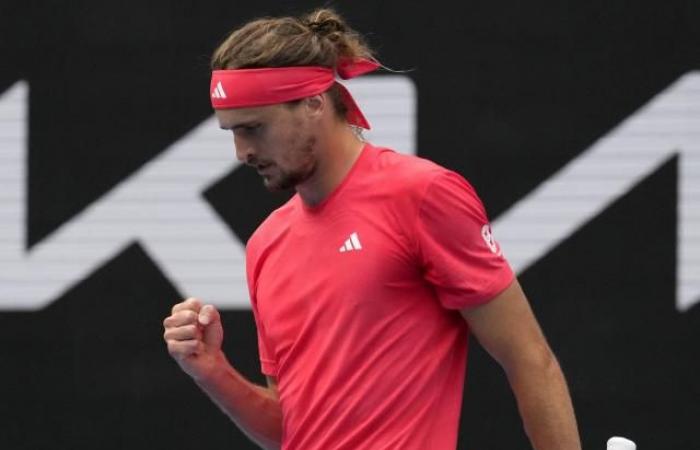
(218, 91)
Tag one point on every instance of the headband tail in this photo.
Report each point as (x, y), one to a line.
(354, 115)
(351, 68)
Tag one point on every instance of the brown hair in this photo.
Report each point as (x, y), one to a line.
(319, 38)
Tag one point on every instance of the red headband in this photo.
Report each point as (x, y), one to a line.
(240, 88)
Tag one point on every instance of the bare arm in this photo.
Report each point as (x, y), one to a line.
(508, 330)
(194, 336)
(254, 409)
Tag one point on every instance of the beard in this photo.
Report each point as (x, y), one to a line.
(285, 179)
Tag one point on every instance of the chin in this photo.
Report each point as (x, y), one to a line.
(288, 180)
(277, 185)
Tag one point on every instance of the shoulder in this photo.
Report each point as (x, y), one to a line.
(402, 164)
(415, 179)
(404, 174)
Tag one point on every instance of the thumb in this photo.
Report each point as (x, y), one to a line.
(213, 333)
(208, 315)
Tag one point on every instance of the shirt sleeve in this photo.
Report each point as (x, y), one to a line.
(457, 251)
(268, 364)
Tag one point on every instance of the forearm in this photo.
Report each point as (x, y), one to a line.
(254, 409)
(545, 404)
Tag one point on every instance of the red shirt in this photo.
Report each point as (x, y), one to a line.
(356, 303)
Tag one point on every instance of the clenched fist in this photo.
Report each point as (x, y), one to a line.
(194, 335)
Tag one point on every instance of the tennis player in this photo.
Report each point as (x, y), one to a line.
(366, 285)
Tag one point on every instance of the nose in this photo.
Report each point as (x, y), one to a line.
(245, 153)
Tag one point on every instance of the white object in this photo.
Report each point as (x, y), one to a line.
(620, 443)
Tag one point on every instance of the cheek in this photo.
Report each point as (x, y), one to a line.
(294, 147)
(303, 151)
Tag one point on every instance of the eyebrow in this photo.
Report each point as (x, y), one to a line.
(239, 125)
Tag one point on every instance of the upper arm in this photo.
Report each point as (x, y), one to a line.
(455, 247)
(507, 328)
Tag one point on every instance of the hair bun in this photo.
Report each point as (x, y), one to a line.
(325, 22)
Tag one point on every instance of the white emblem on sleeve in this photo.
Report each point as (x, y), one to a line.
(490, 241)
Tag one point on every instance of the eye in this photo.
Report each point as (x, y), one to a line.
(251, 129)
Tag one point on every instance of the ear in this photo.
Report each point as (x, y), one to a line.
(315, 106)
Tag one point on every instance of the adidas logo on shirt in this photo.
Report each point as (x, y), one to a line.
(218, 91)
(352, 243)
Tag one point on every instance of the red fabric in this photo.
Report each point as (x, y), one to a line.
(239, 88)
(363, 333)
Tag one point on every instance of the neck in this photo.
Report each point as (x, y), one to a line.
(337, 152)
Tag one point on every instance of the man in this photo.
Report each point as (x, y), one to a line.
(365, 285)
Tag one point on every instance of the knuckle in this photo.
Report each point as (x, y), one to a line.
(167, 335)
(184, 318)
(192, 301)
(190, 304)
(183, 332)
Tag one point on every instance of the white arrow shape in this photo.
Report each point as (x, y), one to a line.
(160, 206)
(668, 125)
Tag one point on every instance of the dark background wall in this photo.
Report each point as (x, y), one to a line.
(508, 92)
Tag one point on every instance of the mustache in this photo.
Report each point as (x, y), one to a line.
(256, 163)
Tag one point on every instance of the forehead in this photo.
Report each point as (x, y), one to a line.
(229, 118)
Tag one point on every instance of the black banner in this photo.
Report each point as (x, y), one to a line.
(94, 95)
